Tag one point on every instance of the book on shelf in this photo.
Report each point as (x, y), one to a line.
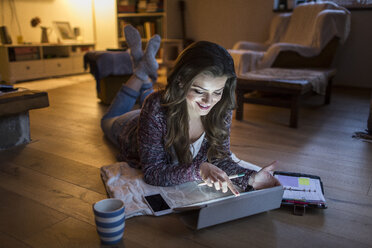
(150, 6)
(149, 29)
(142, 6)
(126, 6)
(155, 6)
(122, 24)
(25, 50)
(141, 30)
(159, 26)
(23, 53)
(24, 57)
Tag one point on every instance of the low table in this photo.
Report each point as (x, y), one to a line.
(290, 84)
(14, 116)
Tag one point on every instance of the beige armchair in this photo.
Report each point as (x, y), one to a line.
(294, 62)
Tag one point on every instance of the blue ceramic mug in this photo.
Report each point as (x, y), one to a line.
(110, 220)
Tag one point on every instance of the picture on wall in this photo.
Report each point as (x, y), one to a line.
(64, 32)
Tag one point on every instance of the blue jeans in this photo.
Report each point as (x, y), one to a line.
(120, 111)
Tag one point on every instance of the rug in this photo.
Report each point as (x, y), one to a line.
(54, 83)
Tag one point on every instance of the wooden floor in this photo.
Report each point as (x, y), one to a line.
(48, 186)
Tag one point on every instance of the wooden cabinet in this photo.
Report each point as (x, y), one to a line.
(26, 62)
(24, 70)
(57, 67)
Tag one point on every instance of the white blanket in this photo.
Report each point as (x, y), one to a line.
(122, 181)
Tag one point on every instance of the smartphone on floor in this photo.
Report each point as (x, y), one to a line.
(157, 204)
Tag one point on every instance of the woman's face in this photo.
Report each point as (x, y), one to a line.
(204, 93)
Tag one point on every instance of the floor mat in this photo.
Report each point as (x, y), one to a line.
(54, 83)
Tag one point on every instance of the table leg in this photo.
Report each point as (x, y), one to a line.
(295, 105)
(327, 99)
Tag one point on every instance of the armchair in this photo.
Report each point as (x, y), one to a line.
(295, 61)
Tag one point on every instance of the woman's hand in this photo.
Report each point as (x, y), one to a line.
(214, 176)
(263, 178)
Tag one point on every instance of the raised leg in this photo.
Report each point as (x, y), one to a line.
(144, 68)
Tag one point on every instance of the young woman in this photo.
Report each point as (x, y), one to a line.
(180, 134)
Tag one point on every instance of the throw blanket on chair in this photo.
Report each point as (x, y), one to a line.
(309, 29)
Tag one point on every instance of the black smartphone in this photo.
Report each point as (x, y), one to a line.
(157, 204)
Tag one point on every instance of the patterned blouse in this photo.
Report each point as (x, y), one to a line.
(142, 146)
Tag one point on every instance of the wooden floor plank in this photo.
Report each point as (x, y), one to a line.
(348, 226)
(338, 173)
(165, 231)
(58, 167)
(22, 217)
(313, 142)
(314, 114)
(72, 233)
(70, 199)
(10, 242)
(93, 154)
(68, 233)
(267, 230)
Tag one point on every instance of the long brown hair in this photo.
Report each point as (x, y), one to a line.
(199, 57)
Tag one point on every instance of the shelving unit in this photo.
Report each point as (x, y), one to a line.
(147, 23)
(33, 61)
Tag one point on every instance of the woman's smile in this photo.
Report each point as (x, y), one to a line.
(204, 107)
